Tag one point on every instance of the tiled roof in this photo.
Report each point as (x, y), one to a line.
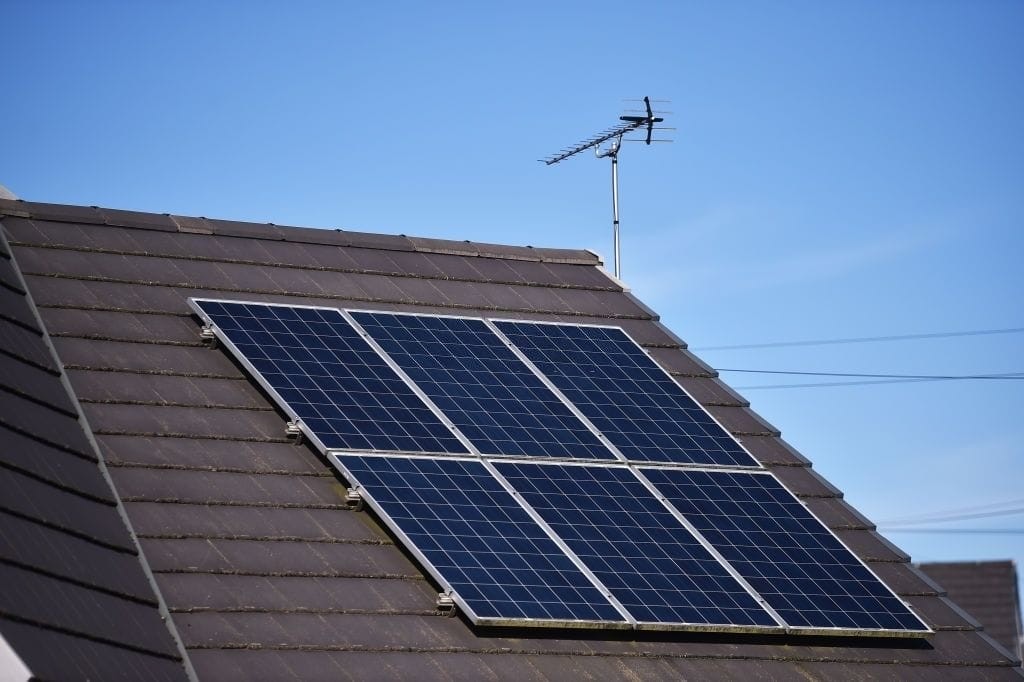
(266, 573)
(988, 591)
(75, 600)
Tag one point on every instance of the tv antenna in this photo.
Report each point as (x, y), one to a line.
(644, 123)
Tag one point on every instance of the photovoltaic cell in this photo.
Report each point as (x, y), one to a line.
(489, 393)
(497, 559)
(648, 560)
(625, 394)
(788, 556)
(338, 385)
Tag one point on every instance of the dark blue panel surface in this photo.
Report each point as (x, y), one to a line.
(787, 555)
(331, 378)
(480, 540)
(625, 394)
(648, 560)
(489, 393)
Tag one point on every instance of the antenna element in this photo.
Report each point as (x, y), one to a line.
(645, 123)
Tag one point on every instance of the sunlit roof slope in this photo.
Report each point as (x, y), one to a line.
(266, 572)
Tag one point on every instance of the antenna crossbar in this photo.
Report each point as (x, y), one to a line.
(631, 123)
(646, 123)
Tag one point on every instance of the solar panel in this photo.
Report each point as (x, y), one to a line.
(625, 394)
(491, 395)
(607, 544)
(329, 377)
(648, 560)
(797, 564)
(478, 540)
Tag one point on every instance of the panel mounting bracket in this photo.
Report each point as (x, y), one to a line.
(446, 605)
(292, 430)
(208, 336)
(354, 500)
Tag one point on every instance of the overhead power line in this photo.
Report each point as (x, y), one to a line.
(960, 517)
(958, 531)
(926, 377)
(825, 384)
(868, 378)
(953, 514)
(864, 339)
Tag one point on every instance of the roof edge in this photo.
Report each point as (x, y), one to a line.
(166, 222)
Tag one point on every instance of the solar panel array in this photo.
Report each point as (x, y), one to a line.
(554, 474)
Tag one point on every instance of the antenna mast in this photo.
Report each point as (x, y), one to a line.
(646, 123)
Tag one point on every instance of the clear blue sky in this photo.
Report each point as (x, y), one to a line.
(838, 170)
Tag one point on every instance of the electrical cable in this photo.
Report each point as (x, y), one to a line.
(924, 377)
(955, 510)
(864, 339)
(888, 378)
(961, 517)
(957, 531)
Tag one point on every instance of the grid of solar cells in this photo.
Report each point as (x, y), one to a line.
(648, 560)
(626, 395)
(480, 540)
(332, 379)
(490, 394)
(788, 556)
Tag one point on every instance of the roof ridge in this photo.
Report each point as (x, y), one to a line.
(166, 222)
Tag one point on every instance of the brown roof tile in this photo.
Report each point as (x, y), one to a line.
(47, 549)
(987, 590)
(13, 310)
(215, 455)
(81, 610)
(197, 592)
(870, 546)
(94, 386)
(34, 383)
(219, 487)
(29, 497)
(24, 344)
(276, 558)
(177, 520)
(8, 275)
(121, 326)
(56, 427)
(805, 482)
(62, 468)
(89, 354)
(175, 421)
(772, 450)
(56, 655)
